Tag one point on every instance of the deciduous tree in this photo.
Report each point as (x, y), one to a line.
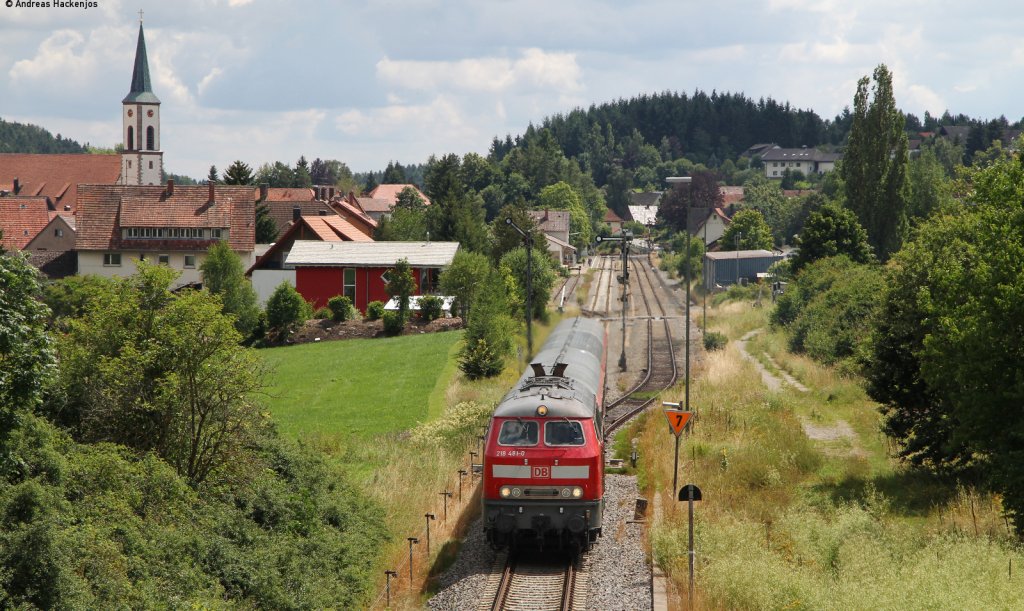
(832, 230)
(752, 231)
(224, 276)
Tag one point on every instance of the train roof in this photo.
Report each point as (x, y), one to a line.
(577, 347)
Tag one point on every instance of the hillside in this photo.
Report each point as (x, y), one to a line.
(25, 138)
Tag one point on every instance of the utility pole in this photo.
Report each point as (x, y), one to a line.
(686, 180)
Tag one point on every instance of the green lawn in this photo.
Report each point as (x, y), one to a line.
(360, 387)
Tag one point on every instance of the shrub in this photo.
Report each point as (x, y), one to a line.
(393, 323)
(322, 313)
(286, 307)
(374, 310)
(714, 340)
(431, 307)
(341, 308)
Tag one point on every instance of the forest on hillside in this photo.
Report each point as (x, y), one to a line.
(24, 138)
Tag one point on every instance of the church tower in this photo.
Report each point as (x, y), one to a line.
(142, 162)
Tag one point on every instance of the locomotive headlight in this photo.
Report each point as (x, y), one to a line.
(542, 410)
(505, 492)
(577, 492)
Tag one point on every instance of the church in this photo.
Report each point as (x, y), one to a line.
(120, 211)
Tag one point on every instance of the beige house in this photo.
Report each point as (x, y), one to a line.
(119, 225)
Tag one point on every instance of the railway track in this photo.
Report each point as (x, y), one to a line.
(662, 371)
(536, 582)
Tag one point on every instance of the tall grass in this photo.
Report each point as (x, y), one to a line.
(791, 522)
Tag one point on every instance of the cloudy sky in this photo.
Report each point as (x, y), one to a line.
(367, 82)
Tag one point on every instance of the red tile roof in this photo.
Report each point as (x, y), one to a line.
(355, 215)
(281, 194)
(104, 209)
(390, 193)
(58, 176)
(323, 228)
(375, 204)
(731, 195)
(21, 219)
(611, 217)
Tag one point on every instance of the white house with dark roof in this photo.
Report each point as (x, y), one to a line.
(777, 160)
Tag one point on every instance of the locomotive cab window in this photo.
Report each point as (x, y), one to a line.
(563, 433)
(518, 433)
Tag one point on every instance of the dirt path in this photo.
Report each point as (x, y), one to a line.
(838, 439)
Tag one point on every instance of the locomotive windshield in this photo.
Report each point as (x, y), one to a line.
(518, 433)
(563, 433)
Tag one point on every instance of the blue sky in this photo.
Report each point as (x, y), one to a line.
(368, 82)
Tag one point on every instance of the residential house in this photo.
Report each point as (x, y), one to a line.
(269, 270)
(613, 220)
(286, 205)
(382, 199)
(777, 160)
(554, 224)
(361, 270)
(119, 225)
(643, 207)
(731, 195)
(712, 226)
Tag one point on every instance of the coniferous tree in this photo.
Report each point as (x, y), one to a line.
(212, 176)
(874, 166)
(238, 173)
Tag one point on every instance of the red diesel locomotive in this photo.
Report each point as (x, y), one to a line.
(544, 455)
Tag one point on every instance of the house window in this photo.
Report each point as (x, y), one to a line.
(428, 281)
(131, 138)
(58, 232)
(150, 165)
(190, 261)
(348, 288)
(386, 277)
(150, 138)
(164, 259)
(775, 164)
(112, 259)
(129, 164)
(217, 233)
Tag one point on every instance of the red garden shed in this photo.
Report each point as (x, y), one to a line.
(360, 269)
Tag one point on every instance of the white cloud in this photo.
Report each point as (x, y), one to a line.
(440, 115)
(237, 3)
(535, 69)
(209, 78)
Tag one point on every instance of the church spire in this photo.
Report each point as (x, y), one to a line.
(142, 91)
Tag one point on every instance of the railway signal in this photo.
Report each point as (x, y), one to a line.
(690, 493)
(625, 238)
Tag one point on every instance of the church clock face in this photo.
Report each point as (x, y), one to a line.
(130, 112)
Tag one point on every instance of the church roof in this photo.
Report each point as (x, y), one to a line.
(142, 91)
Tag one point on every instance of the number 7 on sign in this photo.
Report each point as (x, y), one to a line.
(677, 420)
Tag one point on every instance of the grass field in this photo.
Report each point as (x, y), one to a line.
(804, 508)
(362, 387)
